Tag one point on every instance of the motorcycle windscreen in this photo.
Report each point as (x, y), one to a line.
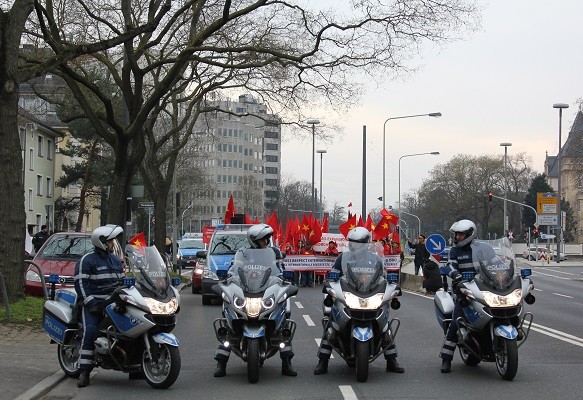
(362, 269)
(492, 270)
(149, 269)
(252, 269)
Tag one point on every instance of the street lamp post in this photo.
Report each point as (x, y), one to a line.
(399, 173)
(435, 114)
(559, 106)
(182, 217)
(505, 223)
(313, 122)
(321, 152)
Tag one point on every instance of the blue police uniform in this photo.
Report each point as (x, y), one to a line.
(94, 272)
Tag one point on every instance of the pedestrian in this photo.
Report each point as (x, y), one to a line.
(421, 253)
(39, 239)
(432, 281)
(307, 278)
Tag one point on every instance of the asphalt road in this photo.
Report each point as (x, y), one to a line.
(550, 362)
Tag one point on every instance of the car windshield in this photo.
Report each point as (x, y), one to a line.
(191, 243)
(227, 243)
(492, 270)
(252, 269)
(149, 269)
(361, 269)
(65, 246)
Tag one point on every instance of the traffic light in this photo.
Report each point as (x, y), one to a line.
(490, 194)
(535, 234)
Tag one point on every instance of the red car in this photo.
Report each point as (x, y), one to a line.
(59, 255)
(197, 275)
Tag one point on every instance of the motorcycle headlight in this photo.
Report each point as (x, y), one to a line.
(267, 303)
(239, 302)
(158, 307)
(510, 300)
(253, 306)
(32, 276)
(366, 303)
(208, 273)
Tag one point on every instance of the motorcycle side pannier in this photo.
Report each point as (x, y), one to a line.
(58, 314)
(443, 306)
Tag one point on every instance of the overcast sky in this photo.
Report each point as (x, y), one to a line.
(497, 86)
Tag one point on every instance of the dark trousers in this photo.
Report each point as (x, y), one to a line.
(90, 328)
(450, 341)
(307, 278)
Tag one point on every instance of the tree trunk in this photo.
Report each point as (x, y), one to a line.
(82, 200)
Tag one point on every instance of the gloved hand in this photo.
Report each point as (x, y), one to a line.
(96, 309)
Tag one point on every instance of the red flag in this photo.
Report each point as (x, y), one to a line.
(306, 225)
(273, 222)
(230, 211)
(383, 227)
(315, 234)
(348, 225)
(360, 222)
(139, 240)
(384, 212)
(256, 220)
(368, 224)
(349, 205)
(325, 228)
(248, 219)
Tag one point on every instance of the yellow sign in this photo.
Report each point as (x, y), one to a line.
(546, 203)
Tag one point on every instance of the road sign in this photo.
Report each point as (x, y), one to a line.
(435, 243)
(148, 204)
(550, 219)
(545, 236)
(546, 203)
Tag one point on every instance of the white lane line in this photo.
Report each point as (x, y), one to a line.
(557, 334)
(552, 276)
(318, 340)
(299, 305)
(538, 290)
(559, 272)
(347, 392)
(308, 320)
(558, 294)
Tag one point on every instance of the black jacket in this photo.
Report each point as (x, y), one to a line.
(431, 279)
(421, 253)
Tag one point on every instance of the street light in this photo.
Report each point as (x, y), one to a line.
(435, 114)
(321, 152)
(559, 106)
(313, 122)
(505, 224)
(182, 217)
(399, 172)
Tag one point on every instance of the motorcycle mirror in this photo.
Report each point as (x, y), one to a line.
(529, 299)
(53, 278)
(333, 276)
(392, 278)
(175, 281)
(222, 273)
(395, 304)
(328, 302)
(524, 272)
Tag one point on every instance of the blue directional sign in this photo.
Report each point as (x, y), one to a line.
(435, 243)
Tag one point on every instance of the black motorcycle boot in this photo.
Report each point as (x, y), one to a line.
(393, 366)
(83, 379)
(446, 366)
(286, 367)
(322, 367)
(221, 369)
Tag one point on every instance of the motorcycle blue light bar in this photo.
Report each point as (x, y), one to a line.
(442, 271)
(129, 281)
(222, 273)
(53, 278)
(175, 281)
(288, 275)
(467, 276)
(392, 278)
(524, 272)
(333, 276)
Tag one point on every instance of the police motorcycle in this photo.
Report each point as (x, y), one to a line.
(356, 311)
(256, 308)
(135, 332)
(494, 325)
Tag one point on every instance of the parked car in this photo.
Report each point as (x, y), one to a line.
(533, 253)
(186, 253)
(59, 255)
(507, 255)
(196, 275)
(224, 243)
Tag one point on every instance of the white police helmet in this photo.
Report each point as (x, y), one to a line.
(103, 234)
(464, 226)
(258, 232)
(358, 238)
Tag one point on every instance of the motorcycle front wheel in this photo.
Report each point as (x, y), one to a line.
(507, 358)
(162, 370)
(253, 353)
(68, 354)
(362, 351)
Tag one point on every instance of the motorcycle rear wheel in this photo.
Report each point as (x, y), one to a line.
(507, 358)
(253, 360)
(163, 370)
(468, 358)
(68, 355)
(362, 351)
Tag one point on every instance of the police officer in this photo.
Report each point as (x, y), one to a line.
(95, 273)
(358, 243)
(460, 260)
(258, 237)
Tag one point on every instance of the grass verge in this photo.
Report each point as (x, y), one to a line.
(26, 311)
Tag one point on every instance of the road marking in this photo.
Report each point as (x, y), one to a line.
(559, 272)
(299, 305)
(554, 333)
(308, 320)
(553, 276)
(558, 294)
(347, 392)
(538, 290)
(318, 341)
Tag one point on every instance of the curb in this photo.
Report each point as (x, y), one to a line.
(43, 387)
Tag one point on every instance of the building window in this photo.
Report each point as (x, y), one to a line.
(271, 158)
(31, 159)
(49, 187)
(50, 149)
(40, 146)
(271, 182)
(271, 170)
(30, 200)
(39, 184)
(271, 134)
(271, 147)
